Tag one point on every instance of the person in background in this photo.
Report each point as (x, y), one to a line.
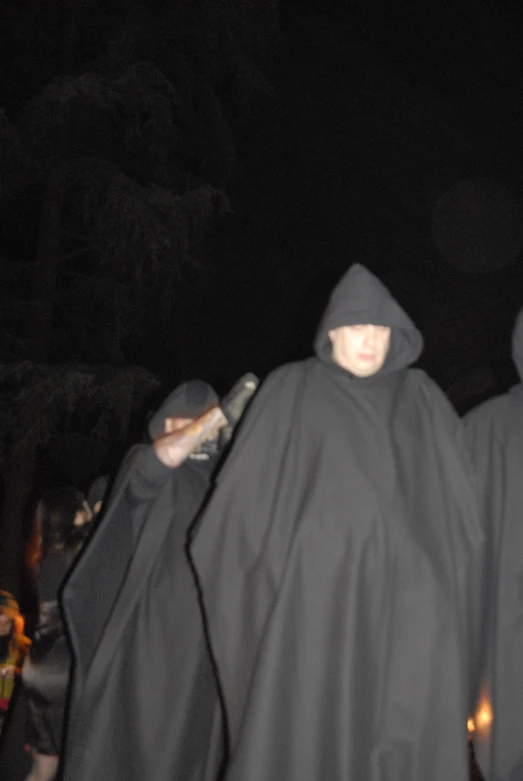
(495, 439)
(13, 648)
(62, 518)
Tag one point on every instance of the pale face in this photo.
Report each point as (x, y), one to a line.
(360, 349)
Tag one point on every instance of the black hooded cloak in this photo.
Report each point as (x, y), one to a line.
(337, 558)
(144, 702)
(495, 437)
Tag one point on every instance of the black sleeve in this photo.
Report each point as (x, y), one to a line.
(149, 475)
(148, 478)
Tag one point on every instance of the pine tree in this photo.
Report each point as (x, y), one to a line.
(111, 177)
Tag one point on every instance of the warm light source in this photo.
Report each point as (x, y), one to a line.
(483, 717)
(484, 714)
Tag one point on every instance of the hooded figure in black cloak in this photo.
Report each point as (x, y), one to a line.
(144, 701)
(338, 561)
(495, 436)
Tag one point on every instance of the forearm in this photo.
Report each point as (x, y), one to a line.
(173, 448)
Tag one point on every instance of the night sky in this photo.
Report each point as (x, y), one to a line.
(385, 125)
(384, 134)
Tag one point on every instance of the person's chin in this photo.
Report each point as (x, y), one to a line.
(367, 366)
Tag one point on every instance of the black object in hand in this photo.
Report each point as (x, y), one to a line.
(234, 403)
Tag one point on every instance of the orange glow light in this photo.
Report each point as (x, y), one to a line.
(470, 725)
(484, 714)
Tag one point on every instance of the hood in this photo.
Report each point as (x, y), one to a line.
(190, 400)
(361, 299)
(517, 344)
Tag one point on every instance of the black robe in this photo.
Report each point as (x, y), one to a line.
(338, 559)
(144, 703)
(495, 436)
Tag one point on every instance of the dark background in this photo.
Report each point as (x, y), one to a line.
(182, 184)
